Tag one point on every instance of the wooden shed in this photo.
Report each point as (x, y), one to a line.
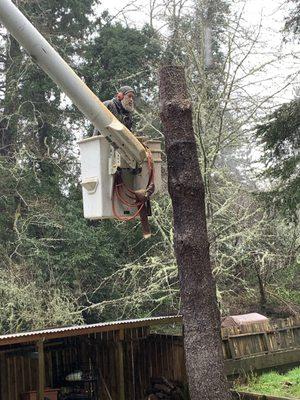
(89, 362)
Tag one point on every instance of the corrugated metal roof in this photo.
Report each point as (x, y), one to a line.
(77, 330)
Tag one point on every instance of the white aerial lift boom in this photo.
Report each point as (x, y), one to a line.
(100, 155)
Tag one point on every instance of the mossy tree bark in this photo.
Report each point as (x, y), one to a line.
(10, 103)
(202, 341)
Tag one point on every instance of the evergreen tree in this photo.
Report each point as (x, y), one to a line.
(293, 19)
(121, 55)
(280, 136)
(37, 160)
(45, 240)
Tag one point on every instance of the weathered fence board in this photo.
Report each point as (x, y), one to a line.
(240, 342)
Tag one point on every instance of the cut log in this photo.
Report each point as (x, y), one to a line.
(163, 389)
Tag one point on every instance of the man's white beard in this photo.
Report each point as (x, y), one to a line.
(127, 106)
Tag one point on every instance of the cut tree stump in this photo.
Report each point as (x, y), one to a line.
(201, 318)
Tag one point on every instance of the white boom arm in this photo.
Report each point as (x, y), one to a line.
(59, 71)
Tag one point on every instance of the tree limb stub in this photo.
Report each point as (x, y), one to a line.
(202, 341)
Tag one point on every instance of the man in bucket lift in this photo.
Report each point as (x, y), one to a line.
(122, 106)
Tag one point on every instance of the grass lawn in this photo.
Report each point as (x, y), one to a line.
(275, 384)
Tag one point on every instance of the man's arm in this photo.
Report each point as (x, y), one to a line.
(110, 105)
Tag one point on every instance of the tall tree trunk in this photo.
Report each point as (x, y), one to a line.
(262, 289)
(202, 339)
(9, 136)
(9, 120)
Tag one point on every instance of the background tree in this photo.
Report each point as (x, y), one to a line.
(45, 239)
(118, 55)
(104, 268)
(279, 135)
(220, 76)
(293, 19)
(36, 154)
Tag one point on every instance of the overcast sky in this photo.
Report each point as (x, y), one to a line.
(272, 10)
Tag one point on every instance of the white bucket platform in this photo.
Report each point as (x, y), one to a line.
(97, 175)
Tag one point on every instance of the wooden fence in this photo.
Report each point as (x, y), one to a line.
(260, 338)
(261, 346)
(119, 364)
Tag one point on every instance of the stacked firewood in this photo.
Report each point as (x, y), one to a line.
(162, 388)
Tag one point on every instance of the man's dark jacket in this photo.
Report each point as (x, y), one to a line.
(124, 116)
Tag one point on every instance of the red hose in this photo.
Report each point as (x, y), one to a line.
(118, 183)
